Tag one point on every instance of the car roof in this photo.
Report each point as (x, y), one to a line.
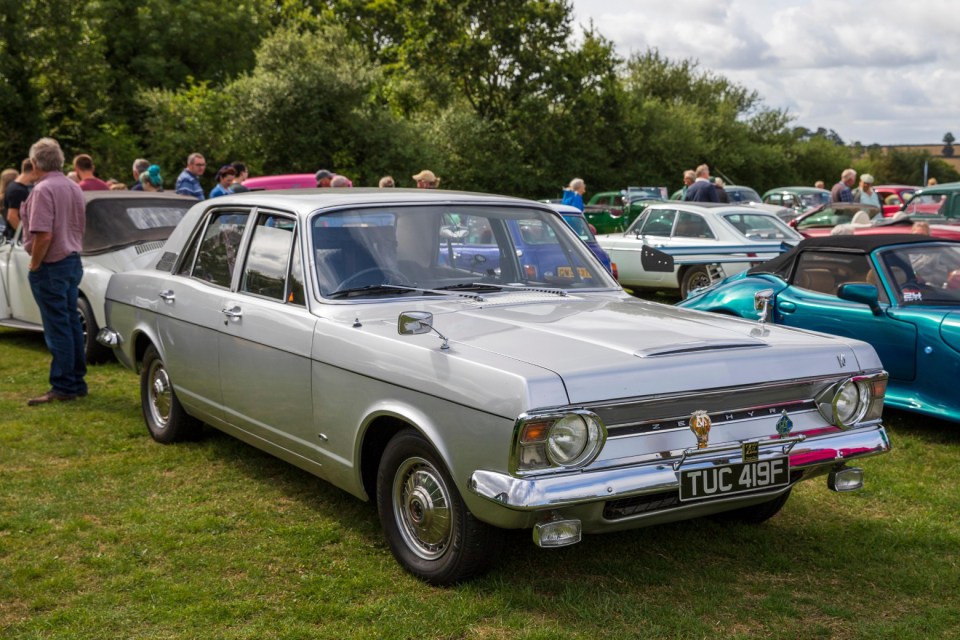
(120, 194)
(713, 207)
(796, 190)
(947, 187)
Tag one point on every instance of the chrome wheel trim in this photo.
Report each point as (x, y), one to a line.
(422, 508)
(159, 394)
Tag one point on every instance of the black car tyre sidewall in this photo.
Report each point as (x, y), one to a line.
(95, 352)
(163, 414)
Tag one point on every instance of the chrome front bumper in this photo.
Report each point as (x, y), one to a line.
(551, 492)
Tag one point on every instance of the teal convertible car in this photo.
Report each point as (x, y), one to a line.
(900, 293)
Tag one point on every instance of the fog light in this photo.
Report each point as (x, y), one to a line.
(845, 479)
(108, 337)
(556, 533)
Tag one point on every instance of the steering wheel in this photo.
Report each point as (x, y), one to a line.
(387, 273)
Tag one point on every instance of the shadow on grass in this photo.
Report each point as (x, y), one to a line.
(925, 428)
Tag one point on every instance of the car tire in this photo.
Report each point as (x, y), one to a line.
(694, 277)
(430, 531)
(758, 513)
(95, 352)
(166, 419)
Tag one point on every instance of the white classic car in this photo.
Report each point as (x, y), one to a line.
(362, 335)
(124, 229)
(695, 224)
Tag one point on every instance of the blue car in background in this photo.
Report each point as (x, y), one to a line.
(899, 292)
(578, 222)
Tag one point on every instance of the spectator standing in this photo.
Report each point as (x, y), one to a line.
(426, 179)
(864, 194)
(83, 165)
(818, 184)
(323, 178)
(572, 194)
(722, 196)
(339, 182)
(188, 182)
(932, 182)
(242, 174)
(151, 180)
(921, 227)
(139, 166)
(689, 176)
(386, 182)
(841, 191)
(53, 223)
(15, 195)
(225, 176)
(702, 189)
(6, 178)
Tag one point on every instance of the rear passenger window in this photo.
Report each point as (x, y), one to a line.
(219, 246)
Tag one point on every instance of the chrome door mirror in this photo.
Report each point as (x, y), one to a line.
(761, 303)
(415, 323)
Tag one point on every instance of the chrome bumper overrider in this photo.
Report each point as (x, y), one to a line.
(548, 492)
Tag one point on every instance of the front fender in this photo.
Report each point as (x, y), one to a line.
(734, 296)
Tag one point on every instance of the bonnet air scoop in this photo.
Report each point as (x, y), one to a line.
(697, 346)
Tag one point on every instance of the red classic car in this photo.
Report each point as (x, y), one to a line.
(892, 196)
(862, 219)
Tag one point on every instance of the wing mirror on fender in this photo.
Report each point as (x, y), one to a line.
(415, 323)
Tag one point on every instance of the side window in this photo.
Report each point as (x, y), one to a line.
(217, 252)
(268, 258)
(659, 222)
(691, 225)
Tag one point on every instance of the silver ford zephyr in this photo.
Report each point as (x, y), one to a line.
(467, 361)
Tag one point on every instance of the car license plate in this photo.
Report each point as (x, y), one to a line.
(739, 477)
(567, 272)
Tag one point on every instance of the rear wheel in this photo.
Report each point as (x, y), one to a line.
(694, 277)
(95, 352)
(427, 525)
(165, 417)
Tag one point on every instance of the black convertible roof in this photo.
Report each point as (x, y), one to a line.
(858, 243)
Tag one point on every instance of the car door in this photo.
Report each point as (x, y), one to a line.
(657, 231)
(265, 338)
(811, 303)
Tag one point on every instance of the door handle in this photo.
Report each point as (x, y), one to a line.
(786, 307)
(233, 312)
(167, 295)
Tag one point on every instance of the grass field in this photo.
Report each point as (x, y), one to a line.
(106, 534)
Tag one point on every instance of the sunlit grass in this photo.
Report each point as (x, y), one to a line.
(105, 534)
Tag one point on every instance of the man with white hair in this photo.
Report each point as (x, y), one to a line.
(841, 191)
(702, 190)
(53, 219)
(140, 165)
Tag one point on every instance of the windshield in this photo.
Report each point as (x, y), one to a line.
(925, 274)
(580, 227)
(403, 251)
(811, 200)
(758, 226)
(926, 204)
(743, 194)
(120, 222)
(831, 217)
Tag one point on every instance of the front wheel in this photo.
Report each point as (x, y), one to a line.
(693, 278)
(428, 527)
(165, 417)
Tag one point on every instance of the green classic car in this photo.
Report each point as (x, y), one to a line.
(614, 211)
(799, 199)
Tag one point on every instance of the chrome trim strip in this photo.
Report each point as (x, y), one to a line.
(567, 489)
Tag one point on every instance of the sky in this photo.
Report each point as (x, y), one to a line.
(885, 71)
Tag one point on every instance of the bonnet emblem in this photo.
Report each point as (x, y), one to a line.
(700, 425)
(842, 359)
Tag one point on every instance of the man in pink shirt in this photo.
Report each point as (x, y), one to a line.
(83, 165)
(53, 219)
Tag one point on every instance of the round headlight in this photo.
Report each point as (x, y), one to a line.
(849, 403)
(567, 440)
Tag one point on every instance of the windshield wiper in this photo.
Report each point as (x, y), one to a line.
(471, 286)
(371, 289)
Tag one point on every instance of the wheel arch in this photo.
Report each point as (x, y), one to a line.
(378, 432)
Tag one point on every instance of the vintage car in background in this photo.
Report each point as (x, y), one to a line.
(942, 200)
(737, 194)
(865, 219)
(694, 224)
(800, 199)
(613, 211)
(892, 196)
(900, 293)
(283, 181)
(578, 222)
(124, 230)
(323, 327)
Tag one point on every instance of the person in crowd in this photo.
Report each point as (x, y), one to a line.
(6, 178)
(339, 182)
(689, 176)
(139, 166)
(386, 182)
(864, 194)
(841, 191)
(83, 165)
(150, 179)
(225, 176)
(426, 179)
(115, 185)
(921, 227)
(818, 184)
(572, 193)
(15, 195)
(932, 182)
(324, 177)
(702, 189)
(242, 174)
(53, 220)
(722, 196)
(73, 177)
(188, 182)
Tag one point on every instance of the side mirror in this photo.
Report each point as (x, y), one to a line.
(862, 293)
(761, 303)
(415, 323)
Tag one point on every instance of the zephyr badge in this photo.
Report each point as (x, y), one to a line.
(700, 425)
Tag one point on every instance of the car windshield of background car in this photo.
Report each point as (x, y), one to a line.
(755, 226)
(743, 195)
(811, 200)
(579, 226)
(378, 253)
(925, 274)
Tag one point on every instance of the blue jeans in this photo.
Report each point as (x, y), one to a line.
(55, 287)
